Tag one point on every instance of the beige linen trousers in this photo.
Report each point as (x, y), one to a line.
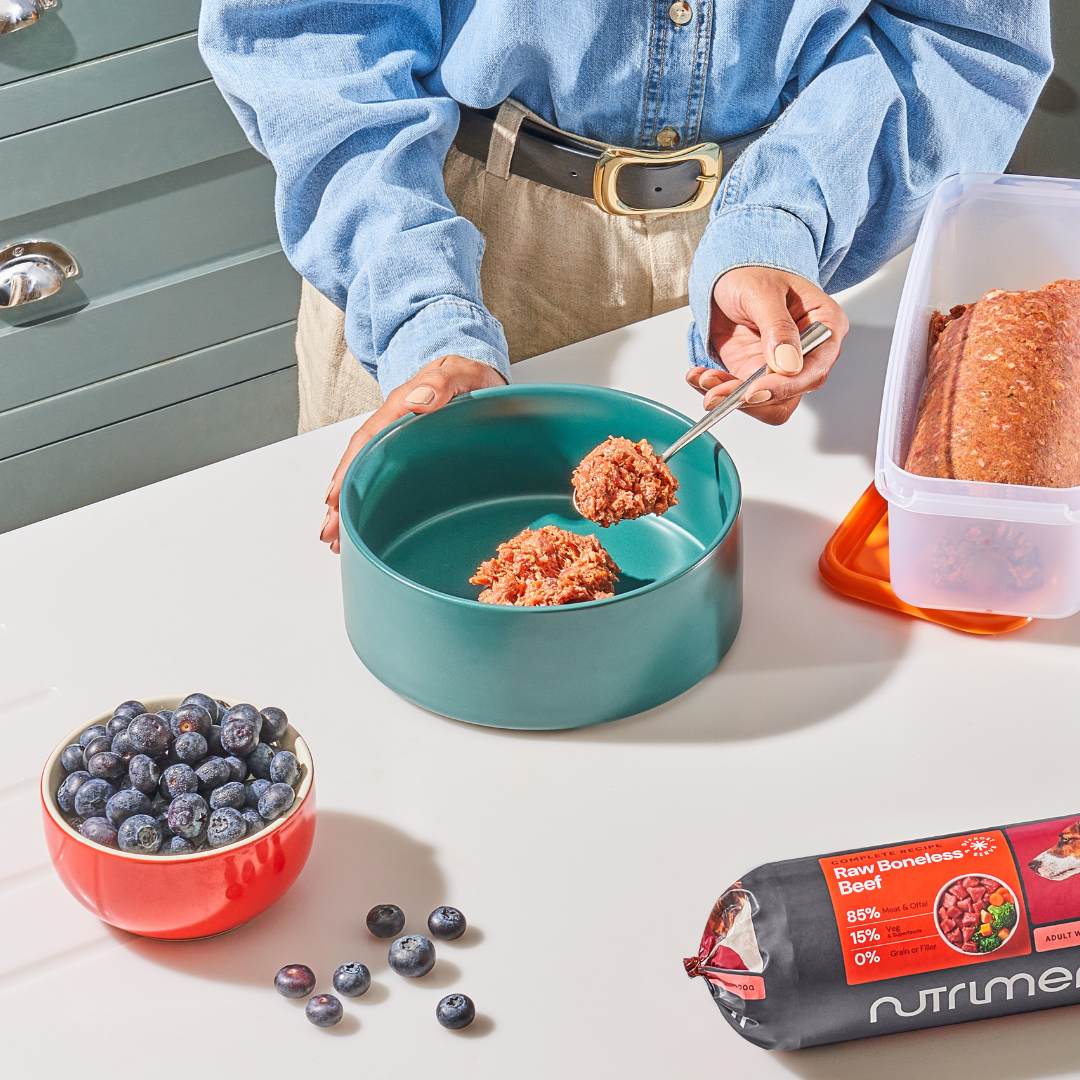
(556, 269)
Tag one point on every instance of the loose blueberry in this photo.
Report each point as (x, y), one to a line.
(253, 790)
(259, 761)
(243, 712)
(116, 725)
(275, 800)
(412, 956)
(140, 834)
(238, 769)
(190, 718)
(324, 1010)
(178, 780)
(352, 980)
(212, 773)
(95, 746)
(188, 815)
(92, 797)
(177, 845)
(72, 758)
(99, 830)
(149, 734)
(226, 826)
(190, 747)
(125, 804)
(92, 732)
(294, 981)
(230, 794)
(204, 701)
(253, 819)
(385, 920)
(455, 1011)
(284, 769)
(239, 737)
(130, 709)
(145, 774)
(106, 766)
(274, 724)
(65, 795)
(121, 746)
(213, 740)
(446, 923)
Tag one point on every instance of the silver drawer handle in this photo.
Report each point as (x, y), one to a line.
(32, 271)
(19, 14)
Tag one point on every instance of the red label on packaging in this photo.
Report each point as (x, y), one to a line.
(927, 905)
(749, 987)
(1062, 936)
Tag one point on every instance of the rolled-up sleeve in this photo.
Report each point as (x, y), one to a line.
(334, 94)
(915, 91)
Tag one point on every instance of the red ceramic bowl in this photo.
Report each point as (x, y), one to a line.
(181, 896)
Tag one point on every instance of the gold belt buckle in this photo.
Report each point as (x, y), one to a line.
(613, 159)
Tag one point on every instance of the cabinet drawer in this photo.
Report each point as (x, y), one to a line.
(78, 30)
(147, 448)
(100, 84)
(168, 382)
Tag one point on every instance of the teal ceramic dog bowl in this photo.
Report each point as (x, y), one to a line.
(428, 499)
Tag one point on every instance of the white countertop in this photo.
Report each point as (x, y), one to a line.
(585, 861)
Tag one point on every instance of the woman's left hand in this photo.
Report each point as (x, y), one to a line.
(757, 316)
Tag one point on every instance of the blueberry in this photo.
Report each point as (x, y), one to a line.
(238, 769)
(130, 709)
(259, 761)
(121, 746)
(91, 732)
(411, 956)
(72, 758)
(212, 773)
(190, 748)
(92, 796)
(213, 740)
(239, 737)
(253, 792)
(230, 794)
(446, 923)
(140, 833)
(253, 819)
(178, 780)
(106, 766)
(294, 981)
(324, 1010)
(284, 769)
(125, 782)
(95, 746)
(275, 800)
(177, 845)
(149, 734)
(190, 718)
(65, 795)
(385, 920)
(352, 980)
(455, 1011)
(204, 702)
(226, 826)
(243, 712)
(125, 804)
(166, 715)
(99, 830)
(161, 817)
(116, 725)
(144, 773)
(188, 815)
(274, 724)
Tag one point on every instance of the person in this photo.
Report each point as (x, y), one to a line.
(408, 136)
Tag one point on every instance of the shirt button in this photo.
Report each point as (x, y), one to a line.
(680, 13)
(667, 137)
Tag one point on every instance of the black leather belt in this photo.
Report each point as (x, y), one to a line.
(621, 181)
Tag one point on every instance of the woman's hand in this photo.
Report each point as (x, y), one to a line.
(757, 316)
(433, 387)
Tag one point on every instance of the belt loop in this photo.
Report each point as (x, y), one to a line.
(504, 135)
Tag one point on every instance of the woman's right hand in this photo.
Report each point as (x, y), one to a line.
(435, 385)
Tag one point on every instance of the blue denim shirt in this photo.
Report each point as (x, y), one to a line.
(354, 102)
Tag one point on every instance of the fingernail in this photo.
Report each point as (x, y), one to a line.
(709, 380)
(787, 359)
(423, 395)
(325, 522)
(326, 497)
(759, 397)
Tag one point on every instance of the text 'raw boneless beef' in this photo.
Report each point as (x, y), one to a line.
(1002, 397)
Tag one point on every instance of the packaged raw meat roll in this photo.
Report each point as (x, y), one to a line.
(903, 936)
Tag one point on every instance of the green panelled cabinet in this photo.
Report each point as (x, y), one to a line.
(147, 312)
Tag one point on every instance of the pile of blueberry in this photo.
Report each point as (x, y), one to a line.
(175, 782)
(411, 956)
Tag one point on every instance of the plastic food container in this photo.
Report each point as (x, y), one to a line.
(956, 544)
(429, 498)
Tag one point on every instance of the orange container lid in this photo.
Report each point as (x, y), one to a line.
(855, 562)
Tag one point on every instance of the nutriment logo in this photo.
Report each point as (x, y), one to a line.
(1049, 982)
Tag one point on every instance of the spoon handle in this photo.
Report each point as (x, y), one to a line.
(810, 338)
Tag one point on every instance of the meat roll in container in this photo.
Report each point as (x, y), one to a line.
(963, 545)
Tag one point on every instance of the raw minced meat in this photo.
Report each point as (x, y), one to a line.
(621, 479)
(540, 567)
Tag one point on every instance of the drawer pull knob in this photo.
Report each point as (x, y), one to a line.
(32, 270)
(19, 14)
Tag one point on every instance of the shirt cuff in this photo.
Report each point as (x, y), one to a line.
(443, 328)
(744, 236)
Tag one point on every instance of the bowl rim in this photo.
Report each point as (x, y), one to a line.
(154, 703)
(529, 390)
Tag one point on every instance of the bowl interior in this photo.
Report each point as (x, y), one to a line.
(54, 773)
(433, 496)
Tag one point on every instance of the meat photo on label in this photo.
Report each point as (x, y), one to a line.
(976, 913)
